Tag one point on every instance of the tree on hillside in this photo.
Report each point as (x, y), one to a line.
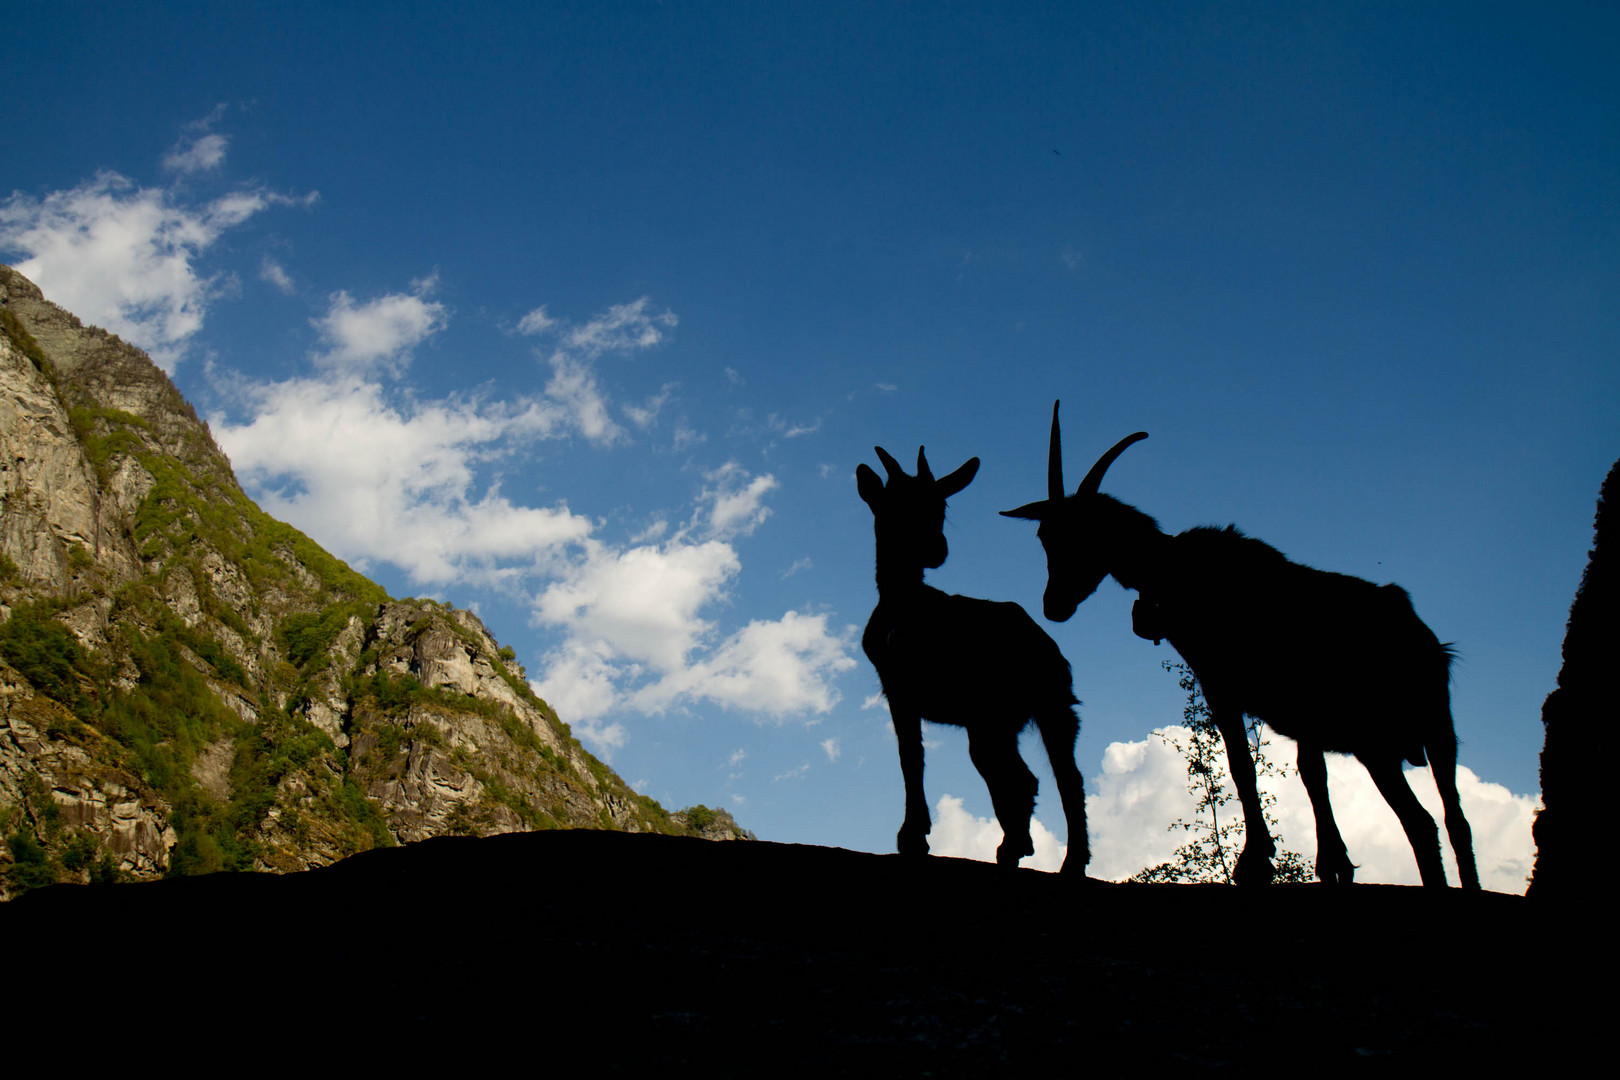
(1210, 852)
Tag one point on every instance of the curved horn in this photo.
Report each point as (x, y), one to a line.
(1093, 479)
(923, 471)
(1054, 465)
(890, 466)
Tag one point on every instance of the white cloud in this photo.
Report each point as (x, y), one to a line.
(775, 668)
(578, 682)
(375, 481)
(1142, 790)
(125, 258)
(831, 748)
(272, 272)
(196, 155)
(641, 603)
(959, 834)
(644, 416)
(792, 431)
(573, 385)
(638, 637)
(200, 149)
(378, 475)
(621, 328)
(383, 330)
(792, 774)
(798, 565)
(736, 758)
(536, 322)
(735, 502)
(604, 738)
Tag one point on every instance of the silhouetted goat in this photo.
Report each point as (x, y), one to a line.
(976, 664)
(1331, 661)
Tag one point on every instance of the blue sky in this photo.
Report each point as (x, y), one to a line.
(583, 316)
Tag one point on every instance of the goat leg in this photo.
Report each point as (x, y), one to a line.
(994, 750)
(913, 836)
(1420, 828)
(1333, 865)
(1059, 728)
(1254, 865)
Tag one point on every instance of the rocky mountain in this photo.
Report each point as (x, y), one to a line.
(188, 685)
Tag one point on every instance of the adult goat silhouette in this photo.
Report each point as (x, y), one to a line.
(975, 664)
(1331, 661)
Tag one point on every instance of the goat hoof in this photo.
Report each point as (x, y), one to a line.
(1339, 871)
(1253, 871)
(1011, 850)
(911, 843)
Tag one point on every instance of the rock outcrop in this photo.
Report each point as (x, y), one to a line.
(187, 684)
(1579, 718)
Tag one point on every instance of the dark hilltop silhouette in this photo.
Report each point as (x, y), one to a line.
(1331, 661)
(1579, 717)
(599, 953)
(974, 664)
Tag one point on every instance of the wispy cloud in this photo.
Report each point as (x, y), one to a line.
(798, 565)
(792, 431)
(622, 328)
(200, 149)
(273, 272)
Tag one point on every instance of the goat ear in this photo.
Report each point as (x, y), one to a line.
(868, 484)
(1035, 511)
(959, 479)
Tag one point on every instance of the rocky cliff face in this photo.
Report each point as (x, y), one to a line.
(187, 684)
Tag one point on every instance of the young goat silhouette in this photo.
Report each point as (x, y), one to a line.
(976, 664)
(1331, 661)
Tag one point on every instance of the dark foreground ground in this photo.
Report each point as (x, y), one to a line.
(592, 952)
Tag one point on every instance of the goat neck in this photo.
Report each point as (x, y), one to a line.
(1139, 551)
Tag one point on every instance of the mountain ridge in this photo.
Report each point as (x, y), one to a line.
(188, 685)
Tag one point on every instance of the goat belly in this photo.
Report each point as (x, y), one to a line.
(951, 660)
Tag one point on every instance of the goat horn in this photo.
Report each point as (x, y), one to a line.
(923, 471)
(890, 466)
(1093, 479)
(1054, 466)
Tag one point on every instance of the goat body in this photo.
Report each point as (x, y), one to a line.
(1333, 662)
(1334, 658)
(981, 665)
